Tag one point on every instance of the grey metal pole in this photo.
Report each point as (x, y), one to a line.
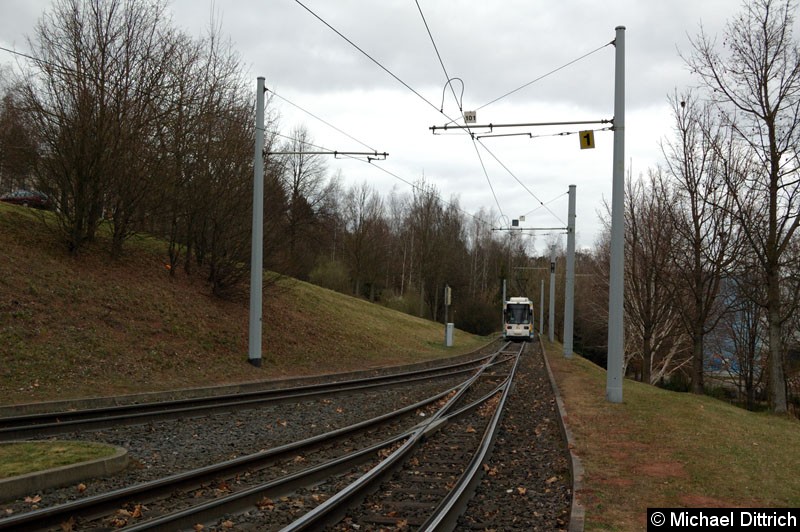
(502, 307)
(551, 324)
(257, 244)
(617, 274)
(569, 288)
(541, 310)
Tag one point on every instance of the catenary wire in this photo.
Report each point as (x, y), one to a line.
(441, 62)
(340, 34)
(447, 82)
(354, 45)
(389, 172)
(543, 76)
(321, 120)
(442, 111)
(546, 203)
(565, 65)
(520, 182)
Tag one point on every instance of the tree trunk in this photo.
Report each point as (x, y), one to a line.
(777, 380)
(647, 359)
(697, 359)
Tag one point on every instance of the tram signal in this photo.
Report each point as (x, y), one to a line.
(587, 139)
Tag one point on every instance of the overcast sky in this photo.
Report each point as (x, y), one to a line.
(494, 47)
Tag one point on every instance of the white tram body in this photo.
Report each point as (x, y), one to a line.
(518, 319)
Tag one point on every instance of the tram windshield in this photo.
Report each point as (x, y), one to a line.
(516, 314)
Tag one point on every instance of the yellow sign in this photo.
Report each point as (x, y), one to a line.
(587, 139)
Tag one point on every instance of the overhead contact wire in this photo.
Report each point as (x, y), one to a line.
(447, 82)
(441, 62)
(354, 45)
(520, 182)
(545, 75)
(322, 120)
(389, 172)
(546, 203)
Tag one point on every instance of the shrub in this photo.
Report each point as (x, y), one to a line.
(331, 274)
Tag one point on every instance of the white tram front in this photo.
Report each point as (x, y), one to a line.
(518, 319)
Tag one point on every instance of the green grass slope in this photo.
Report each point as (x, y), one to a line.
(89, 326)
(666, 449)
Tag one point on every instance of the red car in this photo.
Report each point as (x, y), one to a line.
(28, 198)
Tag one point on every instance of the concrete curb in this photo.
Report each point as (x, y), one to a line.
(32, 483)
(577, 515)
(10, 410)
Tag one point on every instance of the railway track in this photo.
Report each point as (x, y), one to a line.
(39, 425)
(426, 482)
(386, 472)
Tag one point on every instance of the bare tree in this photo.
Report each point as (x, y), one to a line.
(741, 331)
(93, 96)
(365, 235)
(18, 150)
(653, 317)
(308, 193)
(756, 87)
(702, 222)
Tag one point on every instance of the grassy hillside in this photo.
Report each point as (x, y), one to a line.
(666, 449)
(83, 326)
(87, 326)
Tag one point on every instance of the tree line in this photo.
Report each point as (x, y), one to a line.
(712, 252)
(131, 125)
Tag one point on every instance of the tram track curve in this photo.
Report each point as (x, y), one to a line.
(210, 485)
(37, 425)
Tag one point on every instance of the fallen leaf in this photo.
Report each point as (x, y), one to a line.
(81, 487)
(265, 504)
(227, 524)
(34, 499)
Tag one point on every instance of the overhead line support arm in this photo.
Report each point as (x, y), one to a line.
(532, 124)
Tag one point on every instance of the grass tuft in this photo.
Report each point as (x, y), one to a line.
(27, 457)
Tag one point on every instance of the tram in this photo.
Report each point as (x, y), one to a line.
(518, 319)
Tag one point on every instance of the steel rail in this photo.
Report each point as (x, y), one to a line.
(282, 486)
(333, 508)
(249, 497)
(33, 425)
(92, 507)
(445, 517)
